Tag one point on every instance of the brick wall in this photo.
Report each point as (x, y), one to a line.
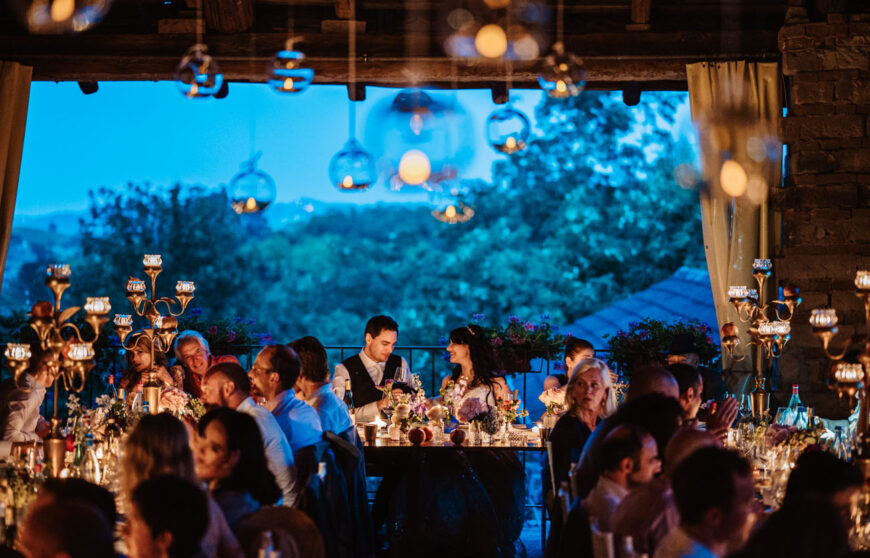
(825, 204)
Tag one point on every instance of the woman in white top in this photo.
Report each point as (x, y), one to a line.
(475, 366)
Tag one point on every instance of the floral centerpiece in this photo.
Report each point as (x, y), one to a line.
(511, 410)
(647, 342)
(517, 342)
(410, 406)
(225, 336)
(476, 412)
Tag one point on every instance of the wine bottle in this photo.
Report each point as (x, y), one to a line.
(348, 396)
(112, 392)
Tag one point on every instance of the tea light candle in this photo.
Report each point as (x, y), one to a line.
(823, 317)
(862, 280)
(59, 271)
(782, 327)
(738, 292)
(123, 320)
(152, 260)
(135, 286)
(184, 287)
(81, 351)
(17, 351)
(849, 373)
(767, 328)
(97, 305)
(761, 265)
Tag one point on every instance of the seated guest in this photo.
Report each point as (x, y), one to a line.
(691, 386)
(648, 513)
(193, 353)
(159, 445)
(138, 363)
(659, 415)
(576, 350)
(820, 476)
(66, 529)
(475, 369)
(630, 459)
(227, 385)
(370, 369)
(273, 377)
(587, 398)
(77, 490)
(20, 402)
(231, 461)
(714, 494)
(799, 529)
(168, 519)
(316, 388)
(683, 350)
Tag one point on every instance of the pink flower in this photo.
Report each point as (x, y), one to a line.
(470, 408)
(529, 326)
(231, 336)
(212, 330)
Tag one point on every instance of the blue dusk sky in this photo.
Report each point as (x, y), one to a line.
(149, 132)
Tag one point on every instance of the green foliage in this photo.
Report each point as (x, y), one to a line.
(587, 215)
(518, 341)
(225, 336)
(647, 342)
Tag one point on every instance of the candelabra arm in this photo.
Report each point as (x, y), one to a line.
(141, 306)
(76, 330)
(735, 355)
(169, 302)
(779, 316)
(826, 340)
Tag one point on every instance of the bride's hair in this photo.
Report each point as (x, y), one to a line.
(481, 353)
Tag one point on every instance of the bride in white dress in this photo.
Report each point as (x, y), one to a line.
(473, 375)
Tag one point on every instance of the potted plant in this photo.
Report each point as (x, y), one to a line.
(518, 342)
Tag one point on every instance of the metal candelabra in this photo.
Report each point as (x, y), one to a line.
(769, 331)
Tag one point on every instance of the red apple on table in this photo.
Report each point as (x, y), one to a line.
(429, 434)
(416, 436)
(457, 436)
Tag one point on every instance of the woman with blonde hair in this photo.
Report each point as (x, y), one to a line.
(160, 445)
(589, 398)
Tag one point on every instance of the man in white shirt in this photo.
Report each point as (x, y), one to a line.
(20, 403)
(630, 458)
(371, 368)
(227, 385)
(714, 494)
(273, 375)
(316, 388)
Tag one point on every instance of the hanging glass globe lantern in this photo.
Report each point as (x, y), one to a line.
(198, 75)
(562, 74)
(352, 169)
(740, 150)
(64, 16)
(507, 130)
(289, 72)
(251, 190)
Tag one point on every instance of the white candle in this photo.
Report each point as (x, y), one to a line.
(862, 280)
(135, 286)
(97, 305)
(152, 260)
(184, 287)
(761, 265)
(59, 271)
(17, 351)
(123, 320)
(823, 317)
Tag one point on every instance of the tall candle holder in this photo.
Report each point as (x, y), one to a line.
(770, 331)
(164, 327)
(849, 378)
(69, 355)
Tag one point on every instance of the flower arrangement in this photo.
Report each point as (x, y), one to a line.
(410, 406)
(511, 410)
(519, 341)
(647, 342)
(18, 486)
(225, 336)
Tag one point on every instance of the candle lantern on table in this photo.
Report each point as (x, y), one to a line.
(163, 326)
(849, 378)
(69, 354)
(769, 328)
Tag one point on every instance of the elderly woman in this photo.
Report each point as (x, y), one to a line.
(588, 399)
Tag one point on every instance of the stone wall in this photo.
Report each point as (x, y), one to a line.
(825, 204)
